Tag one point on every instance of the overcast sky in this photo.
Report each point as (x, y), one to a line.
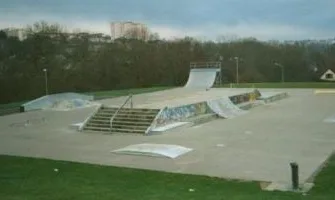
(262, 19)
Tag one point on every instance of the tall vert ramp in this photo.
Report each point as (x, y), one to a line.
(202, 78)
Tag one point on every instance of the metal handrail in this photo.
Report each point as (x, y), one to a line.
(194, 65)
(130, 97)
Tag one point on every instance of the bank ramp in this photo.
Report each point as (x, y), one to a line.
(225, 108)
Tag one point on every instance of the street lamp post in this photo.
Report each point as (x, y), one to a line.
(221, 60)
(46, 81)
(282, 71)
(237, 59)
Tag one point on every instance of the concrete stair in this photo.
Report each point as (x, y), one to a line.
(101, 120)
(127, 120)
(133, 120)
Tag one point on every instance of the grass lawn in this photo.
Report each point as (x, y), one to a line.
(11, 105)
(29, 178)
(284, 85)
(99, 95)
(10, 108)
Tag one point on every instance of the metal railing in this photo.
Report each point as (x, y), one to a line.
(194, 65)
(130, 98)
(207, 65)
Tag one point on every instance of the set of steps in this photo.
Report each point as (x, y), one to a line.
(101, 120)
(133, 120)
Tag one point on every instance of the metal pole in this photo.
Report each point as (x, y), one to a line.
(295, 175)
(282, 68)
(220, 63)
(46, 81)
(131, 101)
(220, 74)
(237, 63)
(282, 74)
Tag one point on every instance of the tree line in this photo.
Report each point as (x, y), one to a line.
(83, 62)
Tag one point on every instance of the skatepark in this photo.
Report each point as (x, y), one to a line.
(229, 133)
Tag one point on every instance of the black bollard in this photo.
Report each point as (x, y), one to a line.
(295, 175)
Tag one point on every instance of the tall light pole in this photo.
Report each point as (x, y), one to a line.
(221, 60)
(46, 81)
(237, 59)
(282, 71)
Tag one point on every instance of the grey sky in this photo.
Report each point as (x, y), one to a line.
(263, 19)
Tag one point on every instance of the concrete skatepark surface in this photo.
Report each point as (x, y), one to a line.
(175, 97)
(256, 146)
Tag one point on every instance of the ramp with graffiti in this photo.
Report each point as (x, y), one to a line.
(225, 108)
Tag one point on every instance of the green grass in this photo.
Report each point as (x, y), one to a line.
(12, 105)
(28, 178)
(285, 85)
(10, 108)
(100, 94)
(125, 92)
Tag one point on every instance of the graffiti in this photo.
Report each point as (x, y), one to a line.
(180, 113)
(252, 97)
(245, 97)
(200, 108)
(176, 114)
(241, 98)
(49, 101)
(257, 93)
(225, 108)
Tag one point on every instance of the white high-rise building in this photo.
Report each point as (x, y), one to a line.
(16, 32)
(129, 30)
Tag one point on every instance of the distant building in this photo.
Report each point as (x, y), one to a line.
(329, 75)
(129, 30)
(16, 32)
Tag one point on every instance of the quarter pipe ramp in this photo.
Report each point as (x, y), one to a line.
(202, 78)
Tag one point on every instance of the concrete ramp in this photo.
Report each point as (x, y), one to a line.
(225, 108)
(61, 101)
(202, 78)
(156, 150)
